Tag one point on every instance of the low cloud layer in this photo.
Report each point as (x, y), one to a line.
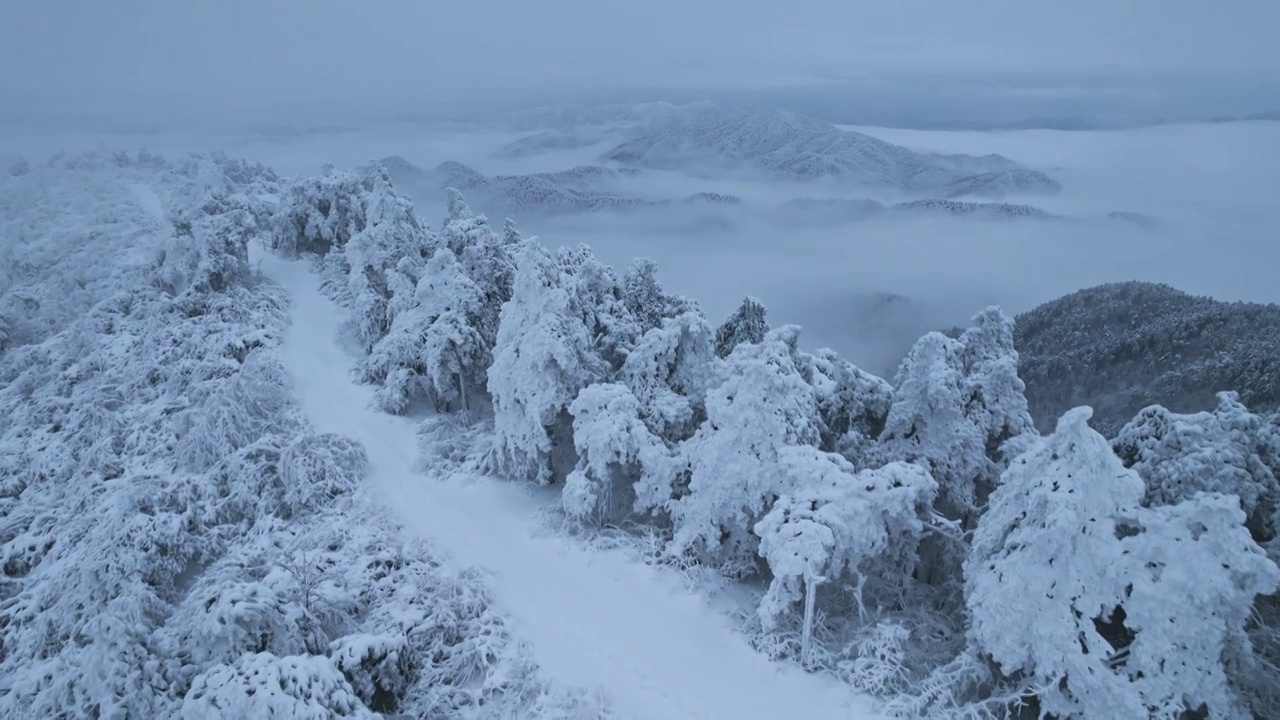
(169, 60)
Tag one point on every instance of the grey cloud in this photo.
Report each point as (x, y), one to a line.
(248, 56)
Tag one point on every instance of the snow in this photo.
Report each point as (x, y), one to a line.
(594, 618)
(149, 200)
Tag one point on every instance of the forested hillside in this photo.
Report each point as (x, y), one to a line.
(919, 539)
(179, 541)
(1124, 346)
(176, 541)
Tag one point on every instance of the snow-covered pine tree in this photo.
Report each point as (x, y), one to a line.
(392, 241)
(927, 424)
(1102, 607)
(747, 324)
(960, 408)
(1227, 450)
(835, 520)
(319, 214)
(457, 346)
(853, 405)
(761, 406)
(544, 356)
(485, 258)
(602, 302)
(221, 230)
(646, 299)
(669, 371)
(435, 349)
(996, 397)
(510, 233)
(209, 249)
(619, 459)
(462, 227)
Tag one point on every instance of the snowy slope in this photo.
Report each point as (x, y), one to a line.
(595, 619)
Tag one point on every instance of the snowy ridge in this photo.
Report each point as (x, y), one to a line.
(181, 536)
(584, 188)
(594, 619)
(791, 146)
(737, 451)
(574, 190)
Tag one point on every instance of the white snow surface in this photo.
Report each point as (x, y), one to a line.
(594, 618)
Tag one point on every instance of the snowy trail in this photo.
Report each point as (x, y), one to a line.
(594, 619)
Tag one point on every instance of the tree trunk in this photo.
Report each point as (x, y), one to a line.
(806, 636)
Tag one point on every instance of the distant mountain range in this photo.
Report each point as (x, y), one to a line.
(784, 145)
(653, 112)
(848, 209)
(1255, 117)
(778, 144)
(594, 188)
(1121, 347)
(580, 189)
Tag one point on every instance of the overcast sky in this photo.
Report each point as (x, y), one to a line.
(236, 56)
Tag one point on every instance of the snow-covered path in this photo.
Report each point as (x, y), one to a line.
(594, 619)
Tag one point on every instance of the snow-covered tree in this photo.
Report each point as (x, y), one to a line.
(316, 468)
(209, 249)
(995, 396)
(747, 324)
(485, 258)
(601, 301)
(1231, 451)
(511, 233)
(835, 520)
(436, 347)
(458, 344)
(1105, 608)
(646, 299)
(220, 231)
(853, 405)
(226, 413)
(927, 424)
(960, 409)
(545, 354)
(392, 243)
(623, 469)
(300, 687)
(1228, 450)
(319, 214)
(379, 667)
(669, 371)
(761, 406)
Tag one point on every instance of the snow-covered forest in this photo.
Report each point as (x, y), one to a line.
(179, 541)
